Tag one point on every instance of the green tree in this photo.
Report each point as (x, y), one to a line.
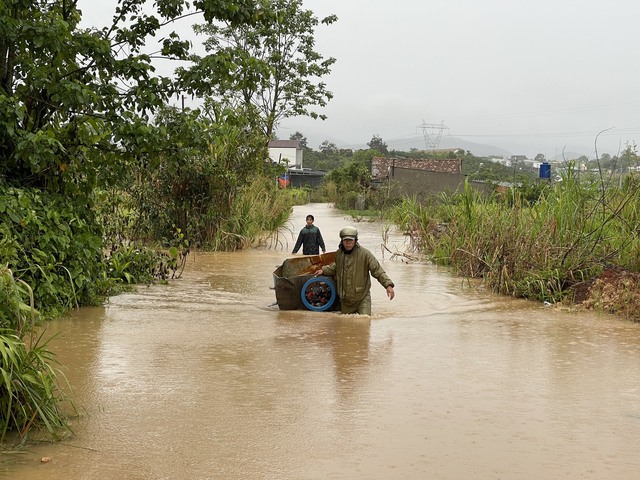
(192, 184)
(77, 110)
(276, 69)
(328, 147)
(607, 162)
(629, 157)
(300, 138)
(378, 144)
(69, 96)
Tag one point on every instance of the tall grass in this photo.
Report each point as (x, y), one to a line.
(30, 397)
(533, 249)
(30, 394)
(259, 213)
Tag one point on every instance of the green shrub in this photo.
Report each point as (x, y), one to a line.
(30, 397)
(15, 315)
(53, 245)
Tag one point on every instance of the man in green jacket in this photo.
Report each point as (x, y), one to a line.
(352, 268)
(310, 239)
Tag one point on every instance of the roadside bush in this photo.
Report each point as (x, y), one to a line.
(327, 192)
(347, 201)
(129, 264)
(297, 196)
(53, 245)
(15, 315)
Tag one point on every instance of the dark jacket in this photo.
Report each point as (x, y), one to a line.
(311, 239)
(352, 274)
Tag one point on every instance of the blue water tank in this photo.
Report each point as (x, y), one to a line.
(545, 170)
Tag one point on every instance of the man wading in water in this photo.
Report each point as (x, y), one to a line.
(352, 268)
(310, 238)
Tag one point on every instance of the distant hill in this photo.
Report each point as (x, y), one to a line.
(477, 149)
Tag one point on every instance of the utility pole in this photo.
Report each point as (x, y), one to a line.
(432, 133)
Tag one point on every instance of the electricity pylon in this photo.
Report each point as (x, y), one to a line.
(432, 133)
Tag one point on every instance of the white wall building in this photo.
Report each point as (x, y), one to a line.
(286, 151)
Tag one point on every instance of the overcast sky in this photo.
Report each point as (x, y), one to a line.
(527, 76)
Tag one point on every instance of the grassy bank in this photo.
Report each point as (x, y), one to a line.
(548, 247)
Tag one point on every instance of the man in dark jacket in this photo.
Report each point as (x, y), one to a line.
(353, 266)
(310, 238)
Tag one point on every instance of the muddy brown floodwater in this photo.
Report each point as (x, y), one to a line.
(203, 379)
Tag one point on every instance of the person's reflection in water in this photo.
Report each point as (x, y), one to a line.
(356, 361)
(350, 338)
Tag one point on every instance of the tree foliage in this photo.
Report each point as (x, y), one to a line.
(193, 183)
(85, 130)
(81, 106)
(53, 248)
(300, 138)
(70, 96)
(376, 143)
(274, 65)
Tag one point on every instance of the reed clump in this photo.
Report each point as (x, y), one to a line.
(546, 247)
(258, 215)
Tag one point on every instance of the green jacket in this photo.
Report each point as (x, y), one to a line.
(311, 241)
(352, 270)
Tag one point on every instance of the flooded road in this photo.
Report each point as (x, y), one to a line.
(203, 379)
